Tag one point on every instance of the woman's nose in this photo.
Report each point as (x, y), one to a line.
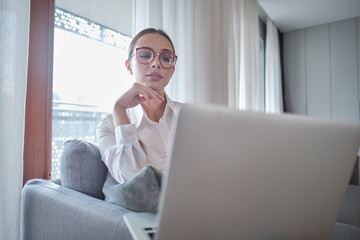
(156, 62)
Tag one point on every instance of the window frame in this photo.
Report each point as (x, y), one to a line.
(38, 110)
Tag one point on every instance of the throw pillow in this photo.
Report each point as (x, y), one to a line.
(82, 169)
(140, 193)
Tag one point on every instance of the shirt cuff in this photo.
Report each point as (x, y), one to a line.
(125, 134)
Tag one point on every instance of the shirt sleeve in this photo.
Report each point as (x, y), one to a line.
(120, 149)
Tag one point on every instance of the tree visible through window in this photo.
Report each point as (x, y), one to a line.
(88, 75)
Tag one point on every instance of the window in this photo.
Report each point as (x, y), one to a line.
(88, 75)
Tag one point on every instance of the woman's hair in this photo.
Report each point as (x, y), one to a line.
(146, 31)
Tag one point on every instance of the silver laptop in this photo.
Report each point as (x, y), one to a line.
(246, 175)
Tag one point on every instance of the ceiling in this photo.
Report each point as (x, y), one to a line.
(289, 15)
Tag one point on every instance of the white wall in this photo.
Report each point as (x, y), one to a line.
(114, 14)
(14, 38)
(321, 70)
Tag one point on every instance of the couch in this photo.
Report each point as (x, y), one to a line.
(72, 207)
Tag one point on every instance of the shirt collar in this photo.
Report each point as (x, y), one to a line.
(137, 113)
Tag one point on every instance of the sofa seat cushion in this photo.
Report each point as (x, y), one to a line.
(350, 210)
(82, 169)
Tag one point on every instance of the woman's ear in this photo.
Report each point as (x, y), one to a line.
(128, 66)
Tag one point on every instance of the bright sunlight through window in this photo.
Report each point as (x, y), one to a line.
(88, 75)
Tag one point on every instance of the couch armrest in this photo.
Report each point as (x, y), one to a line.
(50, 211)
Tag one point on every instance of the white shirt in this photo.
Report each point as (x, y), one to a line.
(122, 148)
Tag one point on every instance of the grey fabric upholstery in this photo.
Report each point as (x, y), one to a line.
(50, 211)
(347, 226)
(350, 210)
(82, 169)
(141, 193)
(344, 231)
(354, 180)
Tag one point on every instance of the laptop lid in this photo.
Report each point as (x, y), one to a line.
(247, 175)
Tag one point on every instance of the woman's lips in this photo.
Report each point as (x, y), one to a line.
(154, 76)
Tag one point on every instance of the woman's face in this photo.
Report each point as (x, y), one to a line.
(152, 75)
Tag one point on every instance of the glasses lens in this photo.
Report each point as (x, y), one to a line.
(167, 60)
(144, 55)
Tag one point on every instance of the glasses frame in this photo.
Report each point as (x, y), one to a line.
(156, 54)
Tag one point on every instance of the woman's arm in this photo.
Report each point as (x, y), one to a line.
(117, 138)
(120, 149)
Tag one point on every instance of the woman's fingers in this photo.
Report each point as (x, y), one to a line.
(148, 93)
(138, 94)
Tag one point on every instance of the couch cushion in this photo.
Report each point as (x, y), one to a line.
(140, 193)
(82, 169)
(350, 210)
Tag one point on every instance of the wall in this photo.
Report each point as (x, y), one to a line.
(321, 70)
(114, 14)
(14, 37)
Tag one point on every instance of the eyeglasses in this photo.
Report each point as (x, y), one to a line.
(147, 55)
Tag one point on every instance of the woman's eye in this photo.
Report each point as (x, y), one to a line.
(145, 56)
(167, 58)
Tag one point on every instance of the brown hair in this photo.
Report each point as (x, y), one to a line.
(146, 31)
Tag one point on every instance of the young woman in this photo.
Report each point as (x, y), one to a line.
(137, 132)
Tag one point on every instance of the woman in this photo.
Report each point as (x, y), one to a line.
(137, 133)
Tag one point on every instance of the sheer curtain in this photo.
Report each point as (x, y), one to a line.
(273, 88)
(250, 57)
(218, 47)
(14, 38)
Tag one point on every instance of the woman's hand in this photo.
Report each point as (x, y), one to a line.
(134, 96)
(137, 94)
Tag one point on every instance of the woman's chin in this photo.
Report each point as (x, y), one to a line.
(156, 87)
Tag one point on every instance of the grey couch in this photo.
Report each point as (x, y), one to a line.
(73, 207)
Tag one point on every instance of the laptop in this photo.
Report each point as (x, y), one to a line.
(249, 175)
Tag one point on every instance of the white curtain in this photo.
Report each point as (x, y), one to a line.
(250, 58)
(273, 88)
(14, 38)
(147, 13)
(217, 43)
